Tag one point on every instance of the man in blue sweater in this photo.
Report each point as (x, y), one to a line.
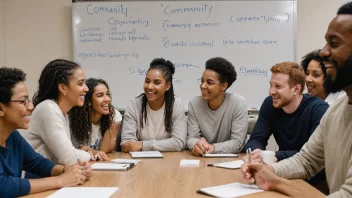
(16, 154)
(287, 114)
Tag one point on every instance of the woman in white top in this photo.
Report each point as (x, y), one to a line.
(156, 119)
(317, 81)
(96, 125)
(61, 87)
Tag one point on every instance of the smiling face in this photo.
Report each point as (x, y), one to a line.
(315, 80)
(101, 100)
(76, 90)
(16, 114)
(338, 51)
(155, 86)
(280, 90)
(210, 86)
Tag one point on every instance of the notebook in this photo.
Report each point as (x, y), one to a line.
(111, 166)
(230, 165)
(146, 154)
(230, 190)
(126, 161)
(84, 192)
(220, 155)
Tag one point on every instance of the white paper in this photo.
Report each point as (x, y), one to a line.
(231, 165)
(84, 192)
(220, 155)
(231, 190)
(126, 161)
(110, 166)
(193, 163)
(146, 154)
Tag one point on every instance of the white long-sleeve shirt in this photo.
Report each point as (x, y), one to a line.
(49, 135)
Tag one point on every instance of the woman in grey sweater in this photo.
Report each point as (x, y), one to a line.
(217, 120)
(156, 119)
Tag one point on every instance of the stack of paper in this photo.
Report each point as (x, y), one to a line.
(146, 154)
(230, 190)
(219, 155)
(189, 163)
(84, 192)
(230, 165)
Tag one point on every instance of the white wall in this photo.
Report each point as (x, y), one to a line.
(2, 34)
(37, 31)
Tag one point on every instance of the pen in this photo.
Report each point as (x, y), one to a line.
(82, 167)
(210, 165)
(249, 152)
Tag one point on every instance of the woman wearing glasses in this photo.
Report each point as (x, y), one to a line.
(155, 120)
(16, 154)
(217, 120)
(61, 87)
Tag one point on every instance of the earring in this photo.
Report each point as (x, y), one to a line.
(2, 113)
(167, 89)
(64, 93)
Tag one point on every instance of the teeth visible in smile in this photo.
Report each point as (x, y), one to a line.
(82, 97)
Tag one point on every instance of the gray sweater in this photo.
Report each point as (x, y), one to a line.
(225, 128)
(131, 128)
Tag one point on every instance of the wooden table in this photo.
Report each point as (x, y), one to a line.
(165, 178)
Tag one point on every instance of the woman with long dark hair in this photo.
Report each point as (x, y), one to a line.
(96, 125)
(61, 87)
(156, 119)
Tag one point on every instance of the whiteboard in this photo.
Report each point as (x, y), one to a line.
(116, 41)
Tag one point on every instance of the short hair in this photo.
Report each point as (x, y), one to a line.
(345, 9)
(314, 55)
(224, 68)
(293, 70)
(9, 77)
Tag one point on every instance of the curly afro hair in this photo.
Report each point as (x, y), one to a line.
(224, 68)
(9, 77)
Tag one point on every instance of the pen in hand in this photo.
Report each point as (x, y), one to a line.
(249, 152)
(82, 167)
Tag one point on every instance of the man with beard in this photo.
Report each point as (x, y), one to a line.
(330, 146)
(287, 114)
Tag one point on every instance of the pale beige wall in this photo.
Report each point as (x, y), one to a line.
(38, 31)
(313, 18)
(2, 34)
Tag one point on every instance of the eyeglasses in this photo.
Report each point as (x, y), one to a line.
(24, 102)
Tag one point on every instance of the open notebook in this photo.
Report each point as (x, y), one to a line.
(230, 190)
(230, 165)
(146, 154)
(111, 166)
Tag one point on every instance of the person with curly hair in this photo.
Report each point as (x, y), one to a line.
(16, 154)
(156, 119)
(61, 87)
(316, 78)
(217, 120)
(96, 125)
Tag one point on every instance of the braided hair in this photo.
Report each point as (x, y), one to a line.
(168, 70)
(80, 123)
(54, 73)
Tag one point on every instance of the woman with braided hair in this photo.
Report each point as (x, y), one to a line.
(156, 119)
(61, 87)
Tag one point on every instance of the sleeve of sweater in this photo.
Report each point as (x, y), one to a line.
(193, 129)
(35, 163)
(54, 135)
(13, 186)
(346, 189)
(177, 141)
(317, 113)
(262, 129)
(306, 163)
(238, 130)
(129, 127)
